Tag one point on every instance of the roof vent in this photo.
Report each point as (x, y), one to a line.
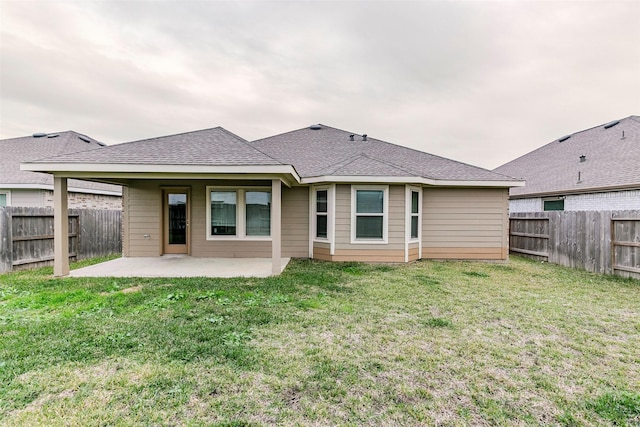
(84, 138)
(53, 135)
(564, 138)
(315, 127)
(101, 144)
(351, 137)
(39, 135)
(583, 158)
(364, 136)
(611, 124)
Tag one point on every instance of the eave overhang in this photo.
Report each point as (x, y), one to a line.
(411, 180)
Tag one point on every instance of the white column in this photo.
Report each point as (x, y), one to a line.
(276, 226)
(60, 227)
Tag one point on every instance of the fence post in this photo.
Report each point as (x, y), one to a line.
(6, 240)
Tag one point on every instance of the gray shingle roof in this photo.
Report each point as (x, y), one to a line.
(14, 151)
(329, 151)
(215, 146)
(610, 161)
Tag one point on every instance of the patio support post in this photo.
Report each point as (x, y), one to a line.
(276, 226)
(60, 227)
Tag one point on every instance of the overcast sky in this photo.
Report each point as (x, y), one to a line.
(475, 81)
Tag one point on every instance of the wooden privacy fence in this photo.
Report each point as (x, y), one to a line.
(26, 235)
(605, 242)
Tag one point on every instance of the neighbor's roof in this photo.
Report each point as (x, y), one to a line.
(216, 146)
(322, 151)
(29, 148)
(611, 161)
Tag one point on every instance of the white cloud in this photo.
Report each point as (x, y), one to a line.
(480, 82)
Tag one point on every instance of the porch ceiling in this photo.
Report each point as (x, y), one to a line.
(180, 266)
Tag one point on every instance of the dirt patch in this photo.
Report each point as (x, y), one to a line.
(131, 289)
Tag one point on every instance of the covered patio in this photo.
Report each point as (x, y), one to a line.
(181, 266)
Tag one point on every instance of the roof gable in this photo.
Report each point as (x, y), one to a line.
(610, 161)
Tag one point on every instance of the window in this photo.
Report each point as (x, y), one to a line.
(239, 213)
(258, 213)
(322, 211)
(5, 198)
(369, 221)
(553, 205)
(415, 214)
(223, 213)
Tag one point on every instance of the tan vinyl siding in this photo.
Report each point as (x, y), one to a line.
(295, 222)
(396, 217)
(465, 223)
(322, 251)
(144, 217)
(414, 251)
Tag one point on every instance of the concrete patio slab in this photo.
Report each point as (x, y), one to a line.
(180, 266)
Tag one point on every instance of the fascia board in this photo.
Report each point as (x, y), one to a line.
(411, 180)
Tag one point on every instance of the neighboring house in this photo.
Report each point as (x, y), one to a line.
(316, 192)
(34, 189)
(594, 169)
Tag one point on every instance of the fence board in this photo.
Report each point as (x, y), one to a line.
(26, 235)
(605, 242)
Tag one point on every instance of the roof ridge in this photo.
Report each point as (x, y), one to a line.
(170, 135)
(388, 163)
(254, 148)
(342, 163)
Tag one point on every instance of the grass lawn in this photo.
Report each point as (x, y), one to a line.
(430, 343)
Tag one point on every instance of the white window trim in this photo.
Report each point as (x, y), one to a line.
(240, 214)
(8, 194)
(550, 199)
(331, 229)
(385, 215)
(408, 215)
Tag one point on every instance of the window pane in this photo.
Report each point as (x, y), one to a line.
(3, 200)
(321, 201)
(177, 219)
(223, 213)
(554, 205)
(321, 226)
(414, 202)
(258, 204)
(414, 227)
(369, 201)
(369, 227)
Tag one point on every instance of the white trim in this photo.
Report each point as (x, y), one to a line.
(408, 217)
(7, 193)
(385, 215)
(241, 225)
(311, 231)
(409, 180)
(70, 189)
(98, 170)
(330, 214)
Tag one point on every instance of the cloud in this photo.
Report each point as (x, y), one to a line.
(480, 82)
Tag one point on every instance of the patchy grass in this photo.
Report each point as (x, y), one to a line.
(447, 343)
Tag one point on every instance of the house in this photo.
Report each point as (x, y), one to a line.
(33, 189)
(593, 169)
(317, 192)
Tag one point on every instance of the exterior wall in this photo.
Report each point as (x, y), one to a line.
(28, 198)
(465, 223)
(393, 251)
(414, 251)
(295, 222)
(143, 217)
(612, 200)
(38, 198)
